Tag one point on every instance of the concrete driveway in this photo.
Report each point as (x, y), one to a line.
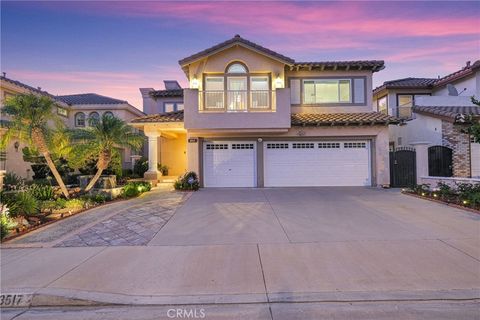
(272, 245)
(304, 215)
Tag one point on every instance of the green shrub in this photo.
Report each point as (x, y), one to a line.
(421, 189)
(61, 203)
(11, 181)
(3, 227)
(189, 181)
(133, 189)
(49, 205)
(163, 169)
(445, 191)
(140, 167)
(42, 192)
(95, 198)
(75, 204)
(23, 204)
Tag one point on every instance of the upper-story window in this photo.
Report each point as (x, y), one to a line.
(172, 106)
(93, 118)
(237, 90)
(382, 104)
(405, 103)
(108, 114)
(318, 91)
(79, 119)
(237, 68)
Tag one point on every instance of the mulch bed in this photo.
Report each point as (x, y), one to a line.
(450, 204)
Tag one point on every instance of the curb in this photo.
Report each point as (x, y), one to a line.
(453, 205)
(71, 298)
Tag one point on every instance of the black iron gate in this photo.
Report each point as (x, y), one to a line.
(403, 168)
(440, 161)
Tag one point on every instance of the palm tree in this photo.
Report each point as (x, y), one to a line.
(102, 139)
(31, 116)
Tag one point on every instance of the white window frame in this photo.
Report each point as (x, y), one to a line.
(316, 102)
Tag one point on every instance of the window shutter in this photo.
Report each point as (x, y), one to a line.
(359, 90)
(295, 91)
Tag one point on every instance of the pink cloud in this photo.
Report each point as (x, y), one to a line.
(120, 85)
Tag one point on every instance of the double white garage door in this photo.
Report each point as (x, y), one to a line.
(287, 163)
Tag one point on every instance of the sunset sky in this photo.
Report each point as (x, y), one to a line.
(114, 48)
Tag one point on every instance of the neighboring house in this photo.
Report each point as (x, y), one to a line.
(92, 106)
(435, 111)
(11, 159)
(160, 101)
(255, 118)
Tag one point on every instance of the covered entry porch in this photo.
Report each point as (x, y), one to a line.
(167, 144)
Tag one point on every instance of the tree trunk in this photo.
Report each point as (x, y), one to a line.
(104, 159)
(39, 140)
(94, 179)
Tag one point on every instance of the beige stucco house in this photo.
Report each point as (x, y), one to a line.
(73, 109)
(255, 118)
(91, 105)
(11, 159)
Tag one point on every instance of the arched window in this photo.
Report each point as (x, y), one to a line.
(93, 118)
(108, 114)
(79, 119)
(237, 67)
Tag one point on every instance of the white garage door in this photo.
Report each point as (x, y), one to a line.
(229, 164)
(317, 163)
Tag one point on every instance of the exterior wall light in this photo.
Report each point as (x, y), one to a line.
(278, 82)
(194, 84)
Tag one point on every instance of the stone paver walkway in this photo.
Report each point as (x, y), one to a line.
(133, 227)
(124, 223)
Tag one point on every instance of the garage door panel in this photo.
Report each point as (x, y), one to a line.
(229, 164)
(345, 163)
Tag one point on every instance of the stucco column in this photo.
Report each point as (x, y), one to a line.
(152, 173)
(421, 154)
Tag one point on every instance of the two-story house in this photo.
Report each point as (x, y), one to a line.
(161, 101)
(435, 111)
(255, 118)
(86, 106)
(11, 159)
(75, 110)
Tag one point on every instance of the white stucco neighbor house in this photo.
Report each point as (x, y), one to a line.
(255, 118)
(436, 113)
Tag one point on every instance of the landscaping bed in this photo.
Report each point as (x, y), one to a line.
(460, 195)
(31, 207)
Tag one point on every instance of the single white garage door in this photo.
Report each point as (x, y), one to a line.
(229, 164)
(317, 163)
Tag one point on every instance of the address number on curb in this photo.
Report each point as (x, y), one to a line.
(15, 300)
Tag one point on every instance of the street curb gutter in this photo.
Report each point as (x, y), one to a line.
(63, 298)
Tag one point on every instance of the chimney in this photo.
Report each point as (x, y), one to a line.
(4, 74)
(148, 102)
(468, 64)
(39, 88)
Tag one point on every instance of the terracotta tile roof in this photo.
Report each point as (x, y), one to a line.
(456, 113)
(407, 83)
(332, 119)
(464, 72)
(89, 98)
(174, 116)
(374, 65)
(236, 39)
(167, 93)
